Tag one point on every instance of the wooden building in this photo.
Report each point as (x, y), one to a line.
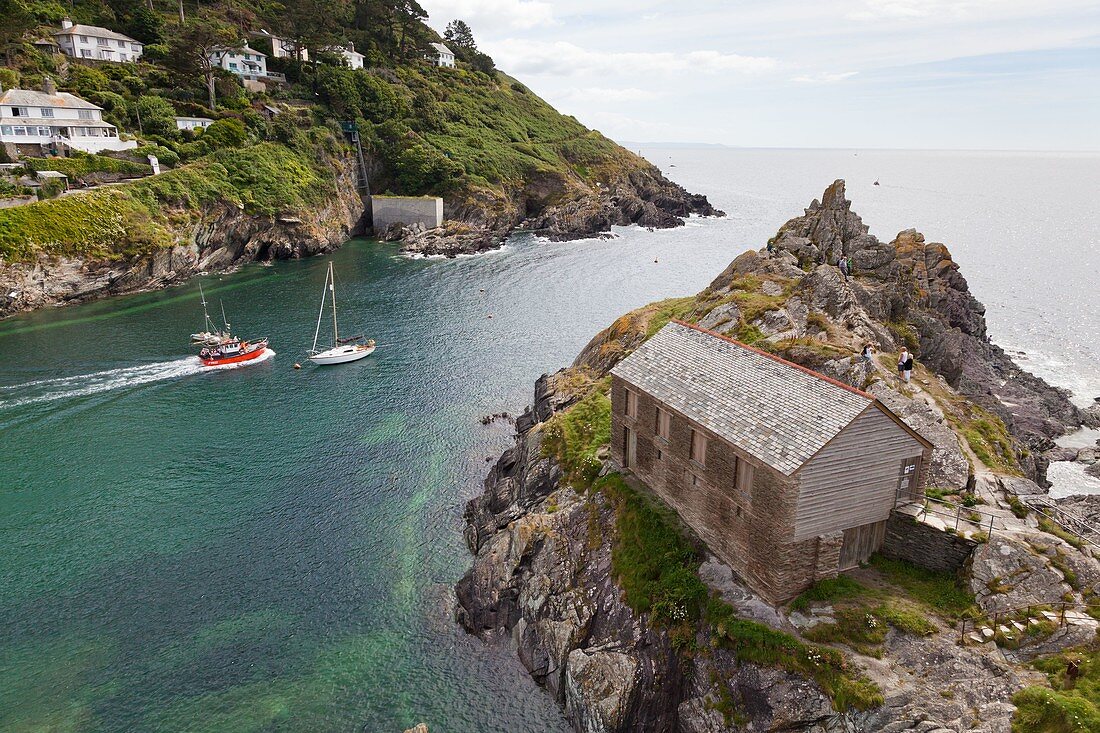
(787, 475)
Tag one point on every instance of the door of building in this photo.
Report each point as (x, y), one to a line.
(630, 448)
(908, 489)
(860, 543)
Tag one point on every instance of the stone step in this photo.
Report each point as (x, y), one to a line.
(986, 632)
(1050, 616)
(977, 638)
(1007, 632)
(1019, 626)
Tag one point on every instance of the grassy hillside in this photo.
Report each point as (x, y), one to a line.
(471, 133)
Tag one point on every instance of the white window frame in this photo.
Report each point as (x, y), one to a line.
(46, 111)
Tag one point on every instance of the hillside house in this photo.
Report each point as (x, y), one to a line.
(246, 62)
(787, 475)
(43, 122)
(193, 123)
(444, 57)
(353, 58)
(93, 42)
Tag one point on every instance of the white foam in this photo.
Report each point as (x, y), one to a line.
(1069, 479)
(82, 385)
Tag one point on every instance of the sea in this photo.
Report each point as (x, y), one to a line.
(274, 549)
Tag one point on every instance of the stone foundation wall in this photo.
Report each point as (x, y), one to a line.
(407, 211)
(928, 547)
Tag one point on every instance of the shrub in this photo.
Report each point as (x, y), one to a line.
(225, 133)
(574, 436)
(157, 116)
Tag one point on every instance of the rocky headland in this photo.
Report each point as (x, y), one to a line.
(557, 207)
(632, 625)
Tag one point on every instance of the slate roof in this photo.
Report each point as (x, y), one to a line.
(778, 412)
(28, 98)
(95, 32)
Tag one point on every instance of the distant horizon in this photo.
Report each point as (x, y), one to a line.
(999, 75)
(628, 144)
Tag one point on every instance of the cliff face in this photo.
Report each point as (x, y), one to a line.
(544, 571)
(559, 208)
(217, 238)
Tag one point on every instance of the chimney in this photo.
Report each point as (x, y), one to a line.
(351, 46)
(66, 23)
(48, 86)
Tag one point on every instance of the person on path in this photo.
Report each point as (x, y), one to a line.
(867, 354)
(844, 268)
(903, 359)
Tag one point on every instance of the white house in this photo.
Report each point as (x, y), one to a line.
(353, 58)
(246, 62)
(52, 118)
(444, 56)
(193, 123)
(93, 42)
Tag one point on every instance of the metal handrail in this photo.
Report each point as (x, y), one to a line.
(955, 511)
(1010, 613)
(1068, 521)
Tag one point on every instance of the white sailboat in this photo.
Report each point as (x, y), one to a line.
(343, 350)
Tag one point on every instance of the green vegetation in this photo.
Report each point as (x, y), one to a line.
(155, 212)
(864, 628)
(8, 189)
(574, 436)
(652, 561)
(988, 438)
(1072, 702)
(759, 644)
(829, 590)
(668, 310)
(81, 166)
(941, 592)
(1050, 527)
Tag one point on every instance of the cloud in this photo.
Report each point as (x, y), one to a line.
(824, 77)
(563, 58)
(605, 94)
(492, 15)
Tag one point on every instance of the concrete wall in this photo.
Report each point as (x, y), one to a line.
(406, 210)
(752, 531)
(928, 547)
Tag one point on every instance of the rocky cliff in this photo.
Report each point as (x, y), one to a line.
(548, 573)
(558, 207)
(217, 237)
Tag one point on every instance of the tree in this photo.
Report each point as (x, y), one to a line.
(198, 45)
(17, 20)
(459, 36)
(314, 25)
(483, 62)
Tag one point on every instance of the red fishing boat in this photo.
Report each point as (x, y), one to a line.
(233, 351)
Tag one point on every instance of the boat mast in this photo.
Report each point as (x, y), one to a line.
(320, 313)
(207, 323)
(224, 319)
(332, 289)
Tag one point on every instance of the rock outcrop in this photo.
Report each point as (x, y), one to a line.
(542, 572)
(224, 237)
(558, 209)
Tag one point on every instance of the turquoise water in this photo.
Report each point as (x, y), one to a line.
(265, 549)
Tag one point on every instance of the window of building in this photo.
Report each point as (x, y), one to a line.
(744, 477)
(83, 39)
(692, 480)
(5, 130)
(660, 455)
(21, 131)
(122, 44)
(86, 114)
(698, 447)
(631, 404)
(102, 42)
(86, 53)
(46, 112)
(663, 423)
(233, 66)
(20, 112)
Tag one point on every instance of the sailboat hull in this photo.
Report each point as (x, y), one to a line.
(342, 354)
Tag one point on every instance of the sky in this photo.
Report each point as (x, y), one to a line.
(915, 74)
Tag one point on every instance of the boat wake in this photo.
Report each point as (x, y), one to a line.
(83, 385)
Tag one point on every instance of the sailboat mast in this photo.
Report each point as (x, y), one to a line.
(332, 289)
(320, 314)
(207, 323)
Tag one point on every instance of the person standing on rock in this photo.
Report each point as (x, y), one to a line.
(844, 268)
(867, 354)
(903, 359)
